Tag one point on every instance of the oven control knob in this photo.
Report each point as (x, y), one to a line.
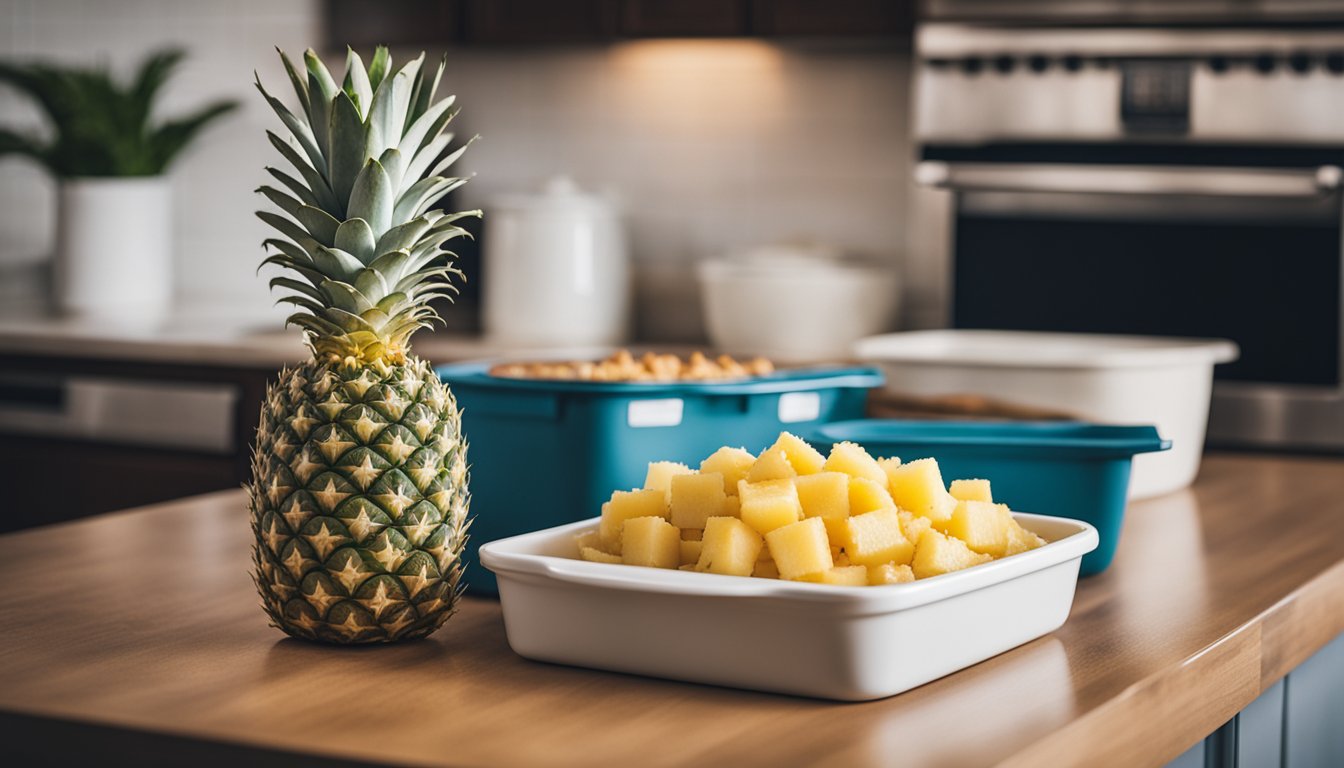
(972, 65)
(1218, 64)
(1038, 63)
(1004, 64)
(1073, 62)
(1265, 63)
(1334, 63)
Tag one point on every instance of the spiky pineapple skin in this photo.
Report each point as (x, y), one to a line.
(359, 502)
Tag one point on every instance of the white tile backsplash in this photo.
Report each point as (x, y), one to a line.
(712, 145)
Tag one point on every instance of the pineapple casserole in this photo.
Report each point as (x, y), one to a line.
(359, 490)
(623, 366)
(845, 519)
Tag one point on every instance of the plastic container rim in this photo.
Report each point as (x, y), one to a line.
(786, 380)
(1103, 351)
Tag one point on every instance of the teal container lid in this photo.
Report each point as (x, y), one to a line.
(787, 380)
(1021, 440)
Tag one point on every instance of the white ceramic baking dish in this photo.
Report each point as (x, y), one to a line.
(1107, 379)
(846, 643)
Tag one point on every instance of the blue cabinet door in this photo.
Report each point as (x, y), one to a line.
(1313, 716)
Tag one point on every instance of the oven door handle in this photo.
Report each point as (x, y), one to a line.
(1132, 180)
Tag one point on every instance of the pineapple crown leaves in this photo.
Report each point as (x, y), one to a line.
(357, 227)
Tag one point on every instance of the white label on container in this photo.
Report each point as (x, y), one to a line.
(799, 406)
(654, 413)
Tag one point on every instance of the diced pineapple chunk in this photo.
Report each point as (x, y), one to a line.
(805, 459)
(851, 459)
(825, 495)
(840, 576)
(588, 539)
(937, 554)
(888, 466)
(696, 498)
(866, 496)
(595, 555)
(652, 542)
(918, 487)
(731, 463)
(970, 490)
(660, 474)
(889, 573)
(913, 525)
(692, 534)
(769, 505)
(730, 547)
(874, 538)
(766, 569)
(982, 525)
(732, 506)
(690, 552)
(800, 548)
(1020, 539)
(772, 465)
(626, 505)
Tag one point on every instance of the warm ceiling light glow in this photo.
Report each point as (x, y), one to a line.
(690, 86)
(697, 56)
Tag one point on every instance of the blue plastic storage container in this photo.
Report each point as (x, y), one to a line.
(543, 452)
(1064, 469)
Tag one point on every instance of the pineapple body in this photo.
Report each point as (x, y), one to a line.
(359, 502)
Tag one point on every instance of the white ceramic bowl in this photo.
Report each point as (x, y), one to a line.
(845, 643)
(795, 309)
(1108, 379)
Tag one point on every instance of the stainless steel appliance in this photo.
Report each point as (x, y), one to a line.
(1151, 168)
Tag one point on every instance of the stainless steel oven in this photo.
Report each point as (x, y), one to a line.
(1132, 175)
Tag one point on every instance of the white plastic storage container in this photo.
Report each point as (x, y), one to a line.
(1108, 379)
(846, 643)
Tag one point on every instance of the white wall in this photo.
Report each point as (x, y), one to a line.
(712, 145)
(217, 237)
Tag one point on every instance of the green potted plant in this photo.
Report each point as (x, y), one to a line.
(113, 257)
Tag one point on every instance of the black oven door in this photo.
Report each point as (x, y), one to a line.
(1246, 253)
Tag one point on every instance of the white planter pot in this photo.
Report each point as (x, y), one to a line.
(114, 249)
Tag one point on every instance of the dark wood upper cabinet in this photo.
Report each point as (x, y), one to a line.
(525, 22)
(684, 18)
(365, 23)
(832, 18)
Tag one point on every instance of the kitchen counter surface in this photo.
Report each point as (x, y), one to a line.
(141, 631)
(192, 340)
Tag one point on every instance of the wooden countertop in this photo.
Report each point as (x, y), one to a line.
(199, 341)
(139, 633)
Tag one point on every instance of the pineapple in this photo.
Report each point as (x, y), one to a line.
(594, 555)
(936, 554)
(805, 459)
(889, 573)
(825, 495)
(982, 525)
(660, 475)
(840, 576)
(854, 461)
(970, 490)
(732, 463)
(874, 538)
(730, 547)
(769, 505)
(652, 542)
(800, 549)
(918, 487)
(358, 495)
(627, 505)
(695, 498)
(772, 465)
